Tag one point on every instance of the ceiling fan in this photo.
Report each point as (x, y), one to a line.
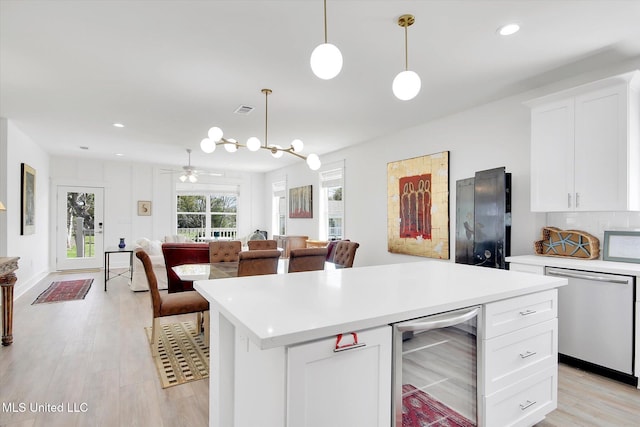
(190, 173)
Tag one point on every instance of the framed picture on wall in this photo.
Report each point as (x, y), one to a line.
(144, 207)
(301, 202)
(418, 206)
(28, 200)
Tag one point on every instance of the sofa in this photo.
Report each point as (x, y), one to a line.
(139, 278)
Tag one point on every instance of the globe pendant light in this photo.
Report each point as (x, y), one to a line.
(407, 83)
(326, 59)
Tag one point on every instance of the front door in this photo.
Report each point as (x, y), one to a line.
(79, 238)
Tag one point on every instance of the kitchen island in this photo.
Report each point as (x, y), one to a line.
(259, 323)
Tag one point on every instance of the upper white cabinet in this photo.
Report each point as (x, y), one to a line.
(585, 147)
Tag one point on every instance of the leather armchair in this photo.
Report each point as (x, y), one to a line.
(183, 253)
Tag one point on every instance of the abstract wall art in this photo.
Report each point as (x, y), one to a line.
(301, 202)
(28, 199)
(418, 206)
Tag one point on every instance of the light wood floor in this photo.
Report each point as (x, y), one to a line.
(94, 352)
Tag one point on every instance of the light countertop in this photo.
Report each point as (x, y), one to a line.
(284, 309)
(597, 265)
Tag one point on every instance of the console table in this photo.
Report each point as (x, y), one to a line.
(290, 242)
(7, 280)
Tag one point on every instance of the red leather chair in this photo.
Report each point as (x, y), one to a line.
(183, 253)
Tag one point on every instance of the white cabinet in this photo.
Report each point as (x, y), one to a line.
(519, 370)
(585, 147)
(346, 388)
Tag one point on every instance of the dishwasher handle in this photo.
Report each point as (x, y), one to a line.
(585, 276)
(424, 324)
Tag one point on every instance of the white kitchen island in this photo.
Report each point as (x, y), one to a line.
(261, 324)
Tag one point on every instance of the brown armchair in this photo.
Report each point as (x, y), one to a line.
(307, 259)
(224, 251)
(258, 262)
(262, 244)
(344, 254)
(171, 304)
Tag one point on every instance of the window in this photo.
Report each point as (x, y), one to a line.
(207, 215)
(279, 207)
(332, 204)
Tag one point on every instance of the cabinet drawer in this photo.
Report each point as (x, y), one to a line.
(520, 354)
(506, 316)
(524, 403)
(526, 268)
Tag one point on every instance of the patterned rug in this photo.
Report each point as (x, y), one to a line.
(66, 290)
(420, 409)
(182, 356)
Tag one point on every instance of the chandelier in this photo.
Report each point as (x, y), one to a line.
(216, 137)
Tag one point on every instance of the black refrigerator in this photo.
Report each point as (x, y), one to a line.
(483, 219)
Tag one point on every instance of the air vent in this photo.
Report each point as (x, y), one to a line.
(244, 109)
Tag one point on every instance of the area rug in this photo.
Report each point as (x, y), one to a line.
(66, 290)
(421, 409)
(182, 355)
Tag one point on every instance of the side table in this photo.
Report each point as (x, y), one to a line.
(107, 259)
(7, 280)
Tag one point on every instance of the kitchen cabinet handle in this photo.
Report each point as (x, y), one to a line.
(595, 278)
(568, 200)
(577, 200)
(527, 404)
(440, 322)
(343, 347)
(527, 354)
(527, 312)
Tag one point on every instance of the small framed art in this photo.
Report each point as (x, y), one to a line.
(144, 207)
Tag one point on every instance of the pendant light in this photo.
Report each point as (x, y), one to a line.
(326, 59)
(216, 137)
(407, 83)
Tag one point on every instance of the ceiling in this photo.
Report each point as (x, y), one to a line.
(169, 70)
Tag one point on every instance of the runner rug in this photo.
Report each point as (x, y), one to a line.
(66, 290)
(182, 355)
(421, 409)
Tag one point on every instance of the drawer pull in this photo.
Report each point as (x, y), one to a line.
(527, 404)
(527, 312)
(527, 354)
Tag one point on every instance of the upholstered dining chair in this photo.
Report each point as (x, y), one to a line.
(224, 251)
(307, 259)
(262, 244)
(171, 304)
(344, 253)
(258, 262)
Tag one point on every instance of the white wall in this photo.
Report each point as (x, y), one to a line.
(32, 249)
(488, 136)
(126, 183)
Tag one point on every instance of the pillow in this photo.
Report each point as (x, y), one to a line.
(143, 243)
(155, 247)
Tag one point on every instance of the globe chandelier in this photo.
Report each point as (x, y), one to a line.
(326, 59)
(407, 83)
(216, 137)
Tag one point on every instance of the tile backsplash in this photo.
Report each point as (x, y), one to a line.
(595, 223)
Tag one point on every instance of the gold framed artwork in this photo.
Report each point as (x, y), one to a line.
(28, 199)
(301, 202)
(418, 206)
(144, 207)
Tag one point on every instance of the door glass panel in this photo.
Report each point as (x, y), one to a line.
(80, 234)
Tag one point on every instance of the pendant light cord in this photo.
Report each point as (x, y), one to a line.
(325, 21)
(266, 117)
(406, 49)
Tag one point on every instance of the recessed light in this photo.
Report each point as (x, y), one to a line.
(119, 154)
(507, 30)
(118, 125)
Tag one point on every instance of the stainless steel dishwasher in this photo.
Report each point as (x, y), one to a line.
(595, 318)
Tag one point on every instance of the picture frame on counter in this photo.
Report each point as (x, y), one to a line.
(622, 246)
